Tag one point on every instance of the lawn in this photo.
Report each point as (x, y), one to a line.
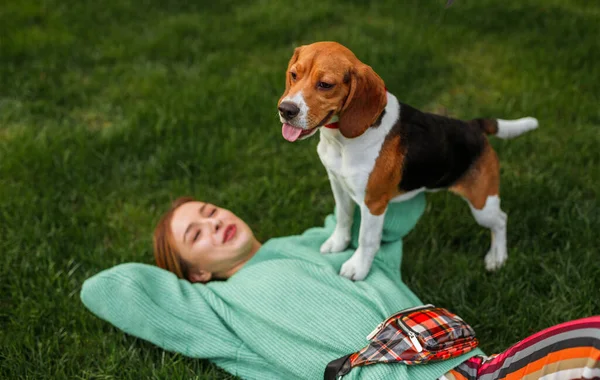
(110, 109)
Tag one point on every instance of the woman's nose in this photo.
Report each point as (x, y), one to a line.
(216, 224)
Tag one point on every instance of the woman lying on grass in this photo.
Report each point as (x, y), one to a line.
(283, 312)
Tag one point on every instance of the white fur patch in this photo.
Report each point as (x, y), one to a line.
(512, 128)
(408, 195)
(492, 217)
(300, 121)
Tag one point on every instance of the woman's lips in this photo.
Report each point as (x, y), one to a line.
(229, 233)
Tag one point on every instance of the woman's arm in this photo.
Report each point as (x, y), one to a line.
(153, 304)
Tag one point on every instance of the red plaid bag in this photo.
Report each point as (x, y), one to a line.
(412, 336)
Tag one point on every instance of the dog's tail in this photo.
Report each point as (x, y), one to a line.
(506, 129)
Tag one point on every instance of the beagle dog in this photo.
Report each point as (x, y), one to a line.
(378, 150)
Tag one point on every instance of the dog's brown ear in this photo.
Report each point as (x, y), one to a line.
(288, 77)
(365, 102)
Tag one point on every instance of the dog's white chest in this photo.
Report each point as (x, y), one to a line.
(350, 162)
(330, 153)
(347, 164)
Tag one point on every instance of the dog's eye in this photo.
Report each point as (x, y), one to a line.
(325, 85)
(293, 74)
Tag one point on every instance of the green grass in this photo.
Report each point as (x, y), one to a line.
(110, 109)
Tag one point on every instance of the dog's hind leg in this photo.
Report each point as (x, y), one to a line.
(492, 217)
(480, 188)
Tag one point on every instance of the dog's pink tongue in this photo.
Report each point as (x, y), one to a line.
(290, 133)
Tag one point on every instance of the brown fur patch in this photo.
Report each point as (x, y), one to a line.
(488, 126)
(481, 180)
(385, 177)
(358, 94)
(366, 100)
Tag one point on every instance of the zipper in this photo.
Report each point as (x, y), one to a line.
(412, 335)
(374, 332)
(415, 341)
(382, 324)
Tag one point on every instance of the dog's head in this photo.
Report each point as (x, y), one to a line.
(323, 80)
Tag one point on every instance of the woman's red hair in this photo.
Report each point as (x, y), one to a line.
(165, 251)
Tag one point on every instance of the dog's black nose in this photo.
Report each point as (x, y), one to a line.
(288, 110)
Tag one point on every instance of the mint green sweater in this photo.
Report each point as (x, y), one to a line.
(284, 315)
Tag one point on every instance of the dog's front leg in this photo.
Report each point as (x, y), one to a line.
(344, 213)
(369, 241)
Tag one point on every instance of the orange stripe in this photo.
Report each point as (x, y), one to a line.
(568, 353)
(563, 365)
(453, 375)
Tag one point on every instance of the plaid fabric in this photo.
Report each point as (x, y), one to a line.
(415, 336)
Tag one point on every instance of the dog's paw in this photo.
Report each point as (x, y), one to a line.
(495, 259)
(337, 242)
(356, 268)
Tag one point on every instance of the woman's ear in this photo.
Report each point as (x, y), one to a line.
(200, 276)
(365, 102)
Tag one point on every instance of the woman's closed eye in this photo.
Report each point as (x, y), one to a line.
(196, 236)
(207, 214)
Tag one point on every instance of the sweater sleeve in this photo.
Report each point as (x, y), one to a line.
(153, 304)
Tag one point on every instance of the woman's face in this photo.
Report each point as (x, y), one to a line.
(212, 241)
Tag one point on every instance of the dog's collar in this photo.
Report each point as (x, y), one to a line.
(334, 124)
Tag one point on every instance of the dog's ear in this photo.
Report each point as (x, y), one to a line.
(288, 77)
(365, 102)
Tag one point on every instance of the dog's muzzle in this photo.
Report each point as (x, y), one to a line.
(288, 110)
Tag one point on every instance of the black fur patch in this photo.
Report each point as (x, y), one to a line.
(378, 121)
(437, 150)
